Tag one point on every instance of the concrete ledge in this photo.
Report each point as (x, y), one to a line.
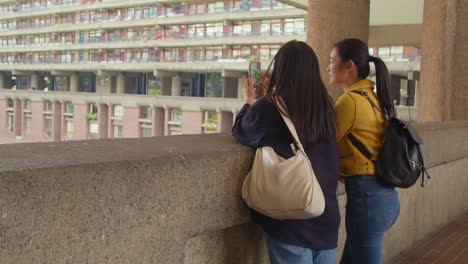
(177, 199)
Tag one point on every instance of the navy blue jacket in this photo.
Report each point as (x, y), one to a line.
(261, 125)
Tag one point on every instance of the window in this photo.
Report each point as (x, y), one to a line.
(154, 85)
(175, 124)
(11, 122)
(211, 122)
(69, 129)
(117, 114)
(384, 52)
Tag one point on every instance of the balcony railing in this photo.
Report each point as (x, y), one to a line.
(171, 36)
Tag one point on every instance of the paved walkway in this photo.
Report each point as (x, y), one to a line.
(448, 246)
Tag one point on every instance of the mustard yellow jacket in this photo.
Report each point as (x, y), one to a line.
(357, 116)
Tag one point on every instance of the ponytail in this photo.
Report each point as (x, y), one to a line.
(358, 52)
(384, 93)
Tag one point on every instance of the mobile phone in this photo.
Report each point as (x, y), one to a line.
(254, 75)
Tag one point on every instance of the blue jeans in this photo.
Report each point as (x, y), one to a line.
(283, 253)
(371, 209)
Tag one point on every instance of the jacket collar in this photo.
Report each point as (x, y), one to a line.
(361, 85)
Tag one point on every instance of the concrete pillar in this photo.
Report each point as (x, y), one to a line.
(176, 85)
(104, 84)
(341, 19)
(225, 121)
(240, 87)
(121, 81)
(131, 126)
(110, 127)
(5, 81)
(80, 124)
(230, 87)
(74, 83)
(166, 85)
(57, 118)
(18, 122)
(158, 121)
(192, 122)
(396, 85)
(35, 79)
(167, 117)
(37, 108)
(443, 95)
(103, 121)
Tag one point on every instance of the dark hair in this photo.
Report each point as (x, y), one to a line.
(358, 52)
(296, 78)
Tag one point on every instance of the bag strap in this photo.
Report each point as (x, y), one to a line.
(282, 109)
(371, 102)
(360, 146)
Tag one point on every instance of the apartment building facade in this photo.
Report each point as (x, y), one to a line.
(81, 69)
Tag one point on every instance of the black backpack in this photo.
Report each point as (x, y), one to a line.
(400, 160)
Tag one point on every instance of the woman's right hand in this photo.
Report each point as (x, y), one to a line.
(249, 91)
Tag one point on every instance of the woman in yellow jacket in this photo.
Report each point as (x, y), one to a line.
(372, 207)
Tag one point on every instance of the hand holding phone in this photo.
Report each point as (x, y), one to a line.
(254, 75)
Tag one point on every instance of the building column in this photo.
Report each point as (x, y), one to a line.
(192, 122)
(130, 123)
(80, 124)
(63, 131)
(166, 85)
(35, 85)
(443, 95)
(74, 83)
(167, 118)
(240, 87)
(176, 85)
(225, 121)
(103, 121)
(158, 121)
(110, 126)
(5, 81)
(396, 85)
(341, 19)
(57, 117)
(18, 122)
(121, 81)
(230, 87)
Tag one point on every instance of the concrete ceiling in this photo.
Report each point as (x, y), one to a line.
(384, 12)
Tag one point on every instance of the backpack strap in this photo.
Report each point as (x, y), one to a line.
(358, 144)
(371, 102)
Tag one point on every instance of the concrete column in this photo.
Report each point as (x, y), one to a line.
(103, 121)
(341, 19)
(167, 117)
(62, 118)
(104, 84)
(37, 108)
(176, 85)
(110, 127)
(230, 87)
(166, 85)
(18, 122)
(159, 121)
(240, 87)
(443, 95)
(121, 81)
(5, 81)
(74, 83)
(131, 126)
(396, 85)
(57, 118)
(225, 121)
(192, 122)
(80, 124)
(35, 81)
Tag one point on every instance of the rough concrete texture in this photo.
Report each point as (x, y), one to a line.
(330, 21)
(177, 199)
(443, 93)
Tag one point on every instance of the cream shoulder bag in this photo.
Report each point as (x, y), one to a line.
(283, 188)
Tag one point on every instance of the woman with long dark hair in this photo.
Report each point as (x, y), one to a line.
(295, 78)
(372, 207)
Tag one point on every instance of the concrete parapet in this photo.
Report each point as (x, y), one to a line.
(177, 199)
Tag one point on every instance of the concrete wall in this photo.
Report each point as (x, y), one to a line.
(177, 199)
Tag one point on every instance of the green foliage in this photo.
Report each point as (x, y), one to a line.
(91, 116)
